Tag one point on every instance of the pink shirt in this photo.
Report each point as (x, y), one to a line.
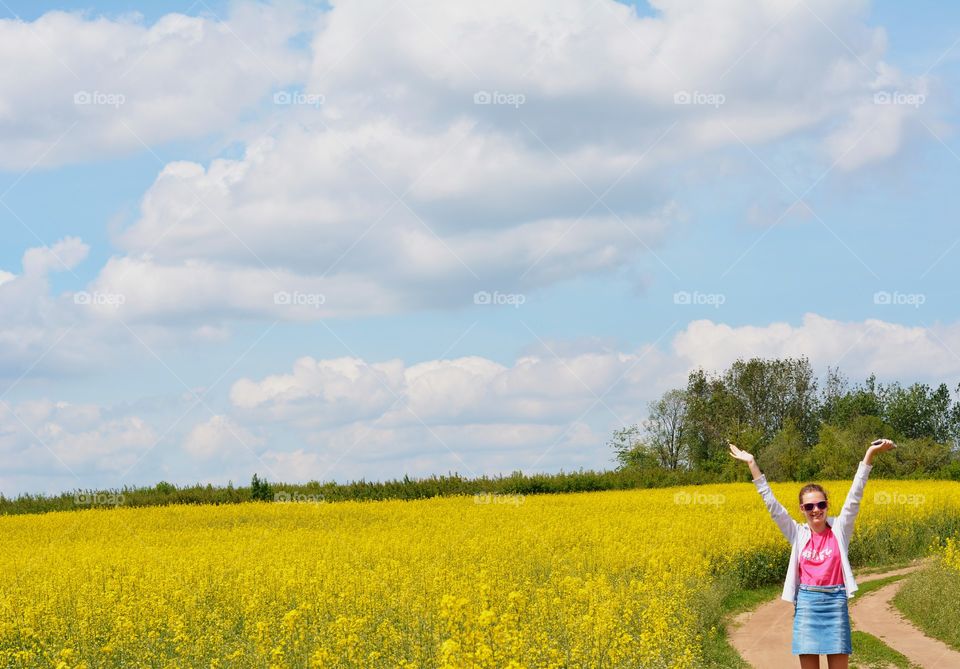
(820, 560)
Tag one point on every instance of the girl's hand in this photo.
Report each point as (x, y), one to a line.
(881, 445)
(740, 454)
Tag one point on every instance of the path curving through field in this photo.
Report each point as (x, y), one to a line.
(763, 636)
(876, 615)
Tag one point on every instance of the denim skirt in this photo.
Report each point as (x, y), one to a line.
(821, 621)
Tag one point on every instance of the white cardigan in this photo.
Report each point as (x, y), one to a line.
(799, 533)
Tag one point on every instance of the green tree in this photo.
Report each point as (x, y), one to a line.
(840, 404)
(770, 392)
(917, 458)
(260, 489)
(664, 429)
(787, 457)
(839, 449)
(710, 421)
(755, 397)
(629, 449)
(919, 411)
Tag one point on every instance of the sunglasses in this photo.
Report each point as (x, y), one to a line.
(809, 506)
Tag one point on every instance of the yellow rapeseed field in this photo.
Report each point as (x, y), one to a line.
(607, 579)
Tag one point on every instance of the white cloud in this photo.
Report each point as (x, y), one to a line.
(879, 119)
(223, 242)
(889, 349)
(69, 439)
(494, 196)
(365, 451)
(42, 332)
(78, 88)
(321, 394)
(219, 436)
(64, 255)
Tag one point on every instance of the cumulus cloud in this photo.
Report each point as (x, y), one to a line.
(544, 388)
(453, 149)
(219, 436)
(64, 255)
(82, 440)
(300, 216)
(891, 350)
(80, 87)
(40, 331)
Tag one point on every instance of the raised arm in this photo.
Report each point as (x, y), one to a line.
(851, 506)
(778, 512)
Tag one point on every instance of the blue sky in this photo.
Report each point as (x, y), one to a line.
(801, 215)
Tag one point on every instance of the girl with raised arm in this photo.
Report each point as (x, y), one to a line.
(819, 579)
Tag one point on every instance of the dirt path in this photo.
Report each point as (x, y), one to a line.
(876, 615)
(763, 636)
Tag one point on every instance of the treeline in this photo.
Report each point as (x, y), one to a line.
(406, 488)
(796, 429)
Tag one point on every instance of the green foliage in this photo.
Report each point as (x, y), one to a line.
(762, 567)
(665, 430)
(407, 488)
(771, 408)
(918, 411)
(921, 600)
(787, 458)
(260, 490)
(630, 451)
(840, 405)
(755, 397)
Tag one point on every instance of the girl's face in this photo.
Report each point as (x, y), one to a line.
(815, 516)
